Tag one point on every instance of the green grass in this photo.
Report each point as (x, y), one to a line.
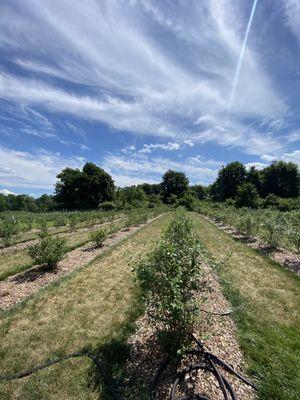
(94, 307)
(269, 322)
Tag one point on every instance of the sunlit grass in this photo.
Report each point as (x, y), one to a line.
(269, 322)
(90, 308)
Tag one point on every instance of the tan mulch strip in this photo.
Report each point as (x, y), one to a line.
(284, 257)
(25, 245)
(219, 336)
(20, 286)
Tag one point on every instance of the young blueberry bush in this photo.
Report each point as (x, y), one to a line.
(49, 251)
(43, 229)
(8, 229)
(169, 277)
(97, 237)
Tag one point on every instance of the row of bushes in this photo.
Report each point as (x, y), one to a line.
(169, 277)
(275, 228)
(51, 249)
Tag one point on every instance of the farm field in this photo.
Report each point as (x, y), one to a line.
(96, 308)
(89, 309)
(273, 227)
(268, 321)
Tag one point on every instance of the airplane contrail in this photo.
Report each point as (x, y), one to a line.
(238, 68)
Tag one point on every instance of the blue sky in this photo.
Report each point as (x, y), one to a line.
(140, 86)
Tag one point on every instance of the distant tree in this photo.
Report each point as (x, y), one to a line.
(198, 191)
(255, 177)
(133, 196)
(247, 196)
(3, 202)
(174, 184)
(229, 179)
(282, 179)
(150, 188)
(84, 190)
(68, 188)
(46, 203)
(97, 186)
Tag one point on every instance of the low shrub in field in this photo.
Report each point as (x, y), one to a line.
(72, 221)
(108, 206)
(97, 237)
(169, 276)
(8, 229)
(43, 226)
(50, 250)
(248, 225)
(273, 232)
(294, 237)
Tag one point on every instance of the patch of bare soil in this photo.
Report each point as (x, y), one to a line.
(284, 257)
(218, 334)
(25, 245)
(20, 286)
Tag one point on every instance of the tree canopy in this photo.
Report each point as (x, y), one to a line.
(174, 183)
(84, 189)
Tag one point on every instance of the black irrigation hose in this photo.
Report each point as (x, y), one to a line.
(156, 377)
(220, 362)
(46, 364)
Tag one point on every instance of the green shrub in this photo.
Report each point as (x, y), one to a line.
(49, 251)
(294, 238)
(8, 229)
(248, 225)
(97, 237)
(247, 196)
(108, 206)
(169, 276)
(72, 221)
(43, 227)
(273, 231)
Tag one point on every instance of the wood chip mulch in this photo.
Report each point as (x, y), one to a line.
(219, 336)
(284, 257)
(20, 286)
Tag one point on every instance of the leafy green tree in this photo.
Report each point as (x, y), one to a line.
(3, 202)
(255, 177)
(198, 191)
(247, 196)
(229, 179)
(68, 188)
(174, 184)
(132, 196)
(282, 179)
(84, 190)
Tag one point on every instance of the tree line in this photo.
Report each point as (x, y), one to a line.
(276, 185)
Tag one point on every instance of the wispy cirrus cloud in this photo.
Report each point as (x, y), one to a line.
(127, 76)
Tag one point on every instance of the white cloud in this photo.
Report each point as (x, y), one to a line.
(293, 156)
(36, 170)
(148, 148)
(292, 13)
(6, 192)
(132, 80)
(141, 168)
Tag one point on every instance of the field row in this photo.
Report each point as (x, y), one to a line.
(16, 258)
(96, 308)
(275, 228)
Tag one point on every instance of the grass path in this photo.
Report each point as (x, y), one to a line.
(269, 321)
(88, 309)
(17, 260)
